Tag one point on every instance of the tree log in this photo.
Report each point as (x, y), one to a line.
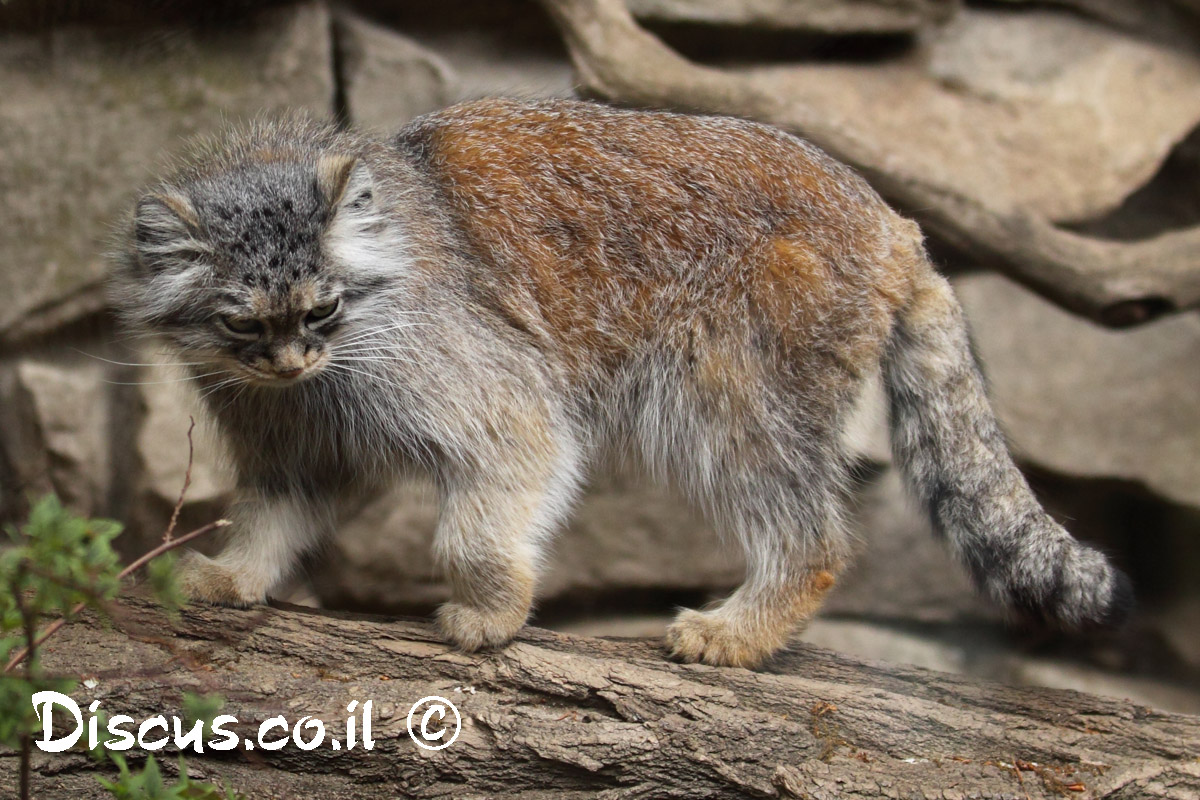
(556, 716)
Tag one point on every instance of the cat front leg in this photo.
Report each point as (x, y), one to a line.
(489, 541)
(270, 532)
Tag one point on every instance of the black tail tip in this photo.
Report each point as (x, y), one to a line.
(1086, 610)
(1121, 602)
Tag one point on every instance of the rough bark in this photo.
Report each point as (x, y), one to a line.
(555, 716)
(1114, 283)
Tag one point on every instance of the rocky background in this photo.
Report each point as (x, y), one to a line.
(1050, 149)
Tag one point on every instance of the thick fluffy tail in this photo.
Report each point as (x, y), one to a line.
(950, 448)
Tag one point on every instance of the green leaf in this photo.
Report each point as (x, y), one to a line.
(152, 777)
(202, 708)
(160, 575)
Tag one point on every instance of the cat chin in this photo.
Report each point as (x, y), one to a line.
(279, 382)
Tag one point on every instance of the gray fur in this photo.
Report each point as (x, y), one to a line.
(948, 444)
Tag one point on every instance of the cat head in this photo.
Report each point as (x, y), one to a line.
(257, 266)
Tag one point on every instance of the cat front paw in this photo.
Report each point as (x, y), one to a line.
(709, 637)
(471, 628)
(204, 580)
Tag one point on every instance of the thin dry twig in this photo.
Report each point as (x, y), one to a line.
(187, 482)
(1020, 779)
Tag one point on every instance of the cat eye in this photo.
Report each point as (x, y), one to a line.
(243, 326)
(319, 313)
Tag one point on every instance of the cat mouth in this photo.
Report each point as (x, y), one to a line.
(282, 377)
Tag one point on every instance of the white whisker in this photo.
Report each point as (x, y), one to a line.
(373, 376)
(140, 364)
(173, 380)
(376, 348)
(382, 359)
(219, 385)
(361, 335)
(233, 398)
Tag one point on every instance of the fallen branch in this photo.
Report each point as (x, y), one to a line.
(555, 716)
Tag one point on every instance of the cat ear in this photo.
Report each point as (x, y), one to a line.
(165, 228)
(344, 182)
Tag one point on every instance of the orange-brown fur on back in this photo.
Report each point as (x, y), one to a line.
(603, 229)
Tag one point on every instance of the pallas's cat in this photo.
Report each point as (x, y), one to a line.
(507, 293)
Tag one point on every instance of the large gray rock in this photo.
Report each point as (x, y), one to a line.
(87, 117)
(54, 435)
(1179, 624)
(1041, 111)
(1086, 401)
(487, 65)
(158, 411)
(866, 436)
(504, 48)
(380, 558)
(387, 79)
(1166, 20)
(847, 16)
